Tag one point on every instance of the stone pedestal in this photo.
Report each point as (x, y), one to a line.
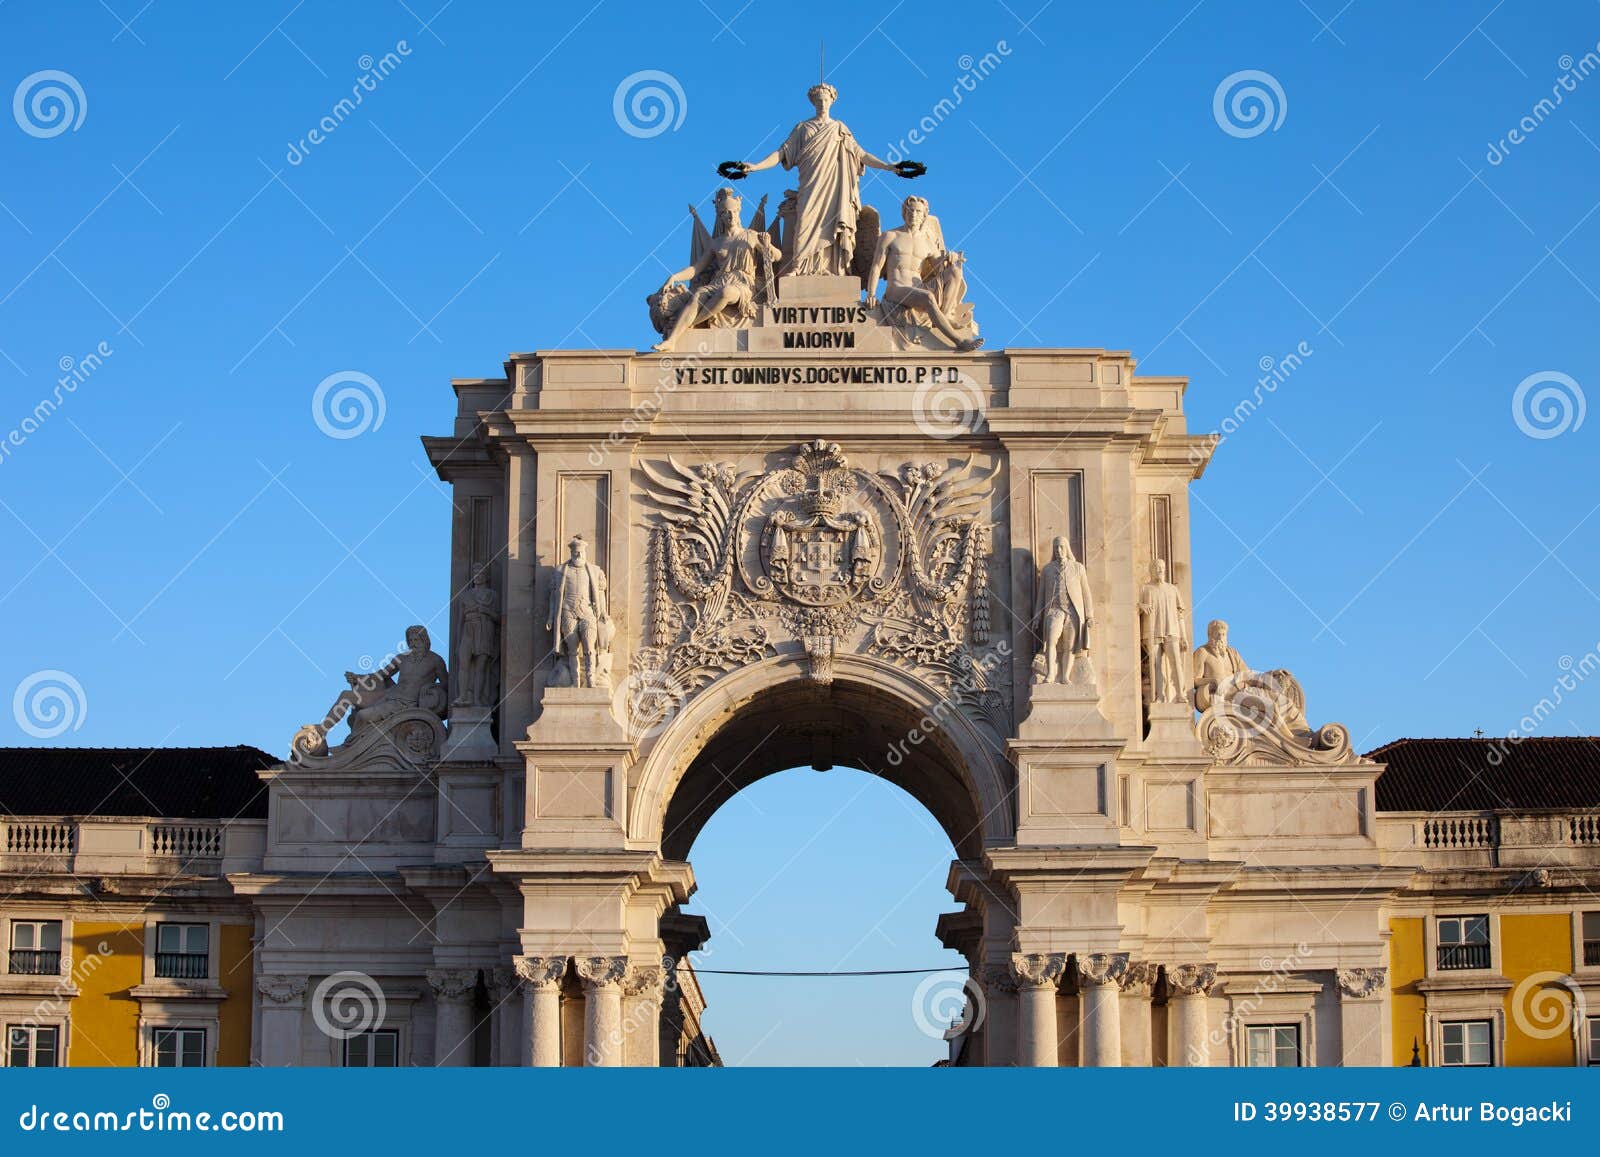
(576, 785)
(819, 289)
(1172, 729)
(469, 736)
(1057, 709)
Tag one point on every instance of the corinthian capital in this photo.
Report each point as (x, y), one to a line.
(601, 971)
(452, 983)
(1139, 979)
(644, 980)
(540, 971)
(1100, 968)
(1039, 969)
(1357, 983)
(1191, 979)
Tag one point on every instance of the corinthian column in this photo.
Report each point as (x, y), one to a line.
(1188, 1027)
(541, 993)
(602, 1022)
(1100, 1018)
(1038, 974)
(452, 1015)
(1136, 985)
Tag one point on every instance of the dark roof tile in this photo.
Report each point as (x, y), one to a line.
(1433, 775)
(177, 782)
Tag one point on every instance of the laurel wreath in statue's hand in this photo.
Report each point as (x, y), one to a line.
(909, 169)
(733, 170)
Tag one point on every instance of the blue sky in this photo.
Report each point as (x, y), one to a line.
(204, 561)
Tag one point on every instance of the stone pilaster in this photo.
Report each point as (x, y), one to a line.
(602, 978)
(642, 991)
(283, 1004)
(541, 996)
(1137, 983)
(1188, 1019)
(1100, 1017)
(1038, 976)
(452, 1005)
(1364, 1037)
(507, 1042)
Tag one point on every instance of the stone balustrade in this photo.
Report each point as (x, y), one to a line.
(1533, 839)
(136, 845)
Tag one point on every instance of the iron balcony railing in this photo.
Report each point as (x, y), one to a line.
(1452, 956)
(181, 965)
(35, 962)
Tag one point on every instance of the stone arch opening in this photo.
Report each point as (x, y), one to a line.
(768, 719)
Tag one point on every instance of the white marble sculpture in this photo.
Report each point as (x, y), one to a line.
(1063, 614)
(1166, 637)
(413, 681)
(821, 235)
(723, 274)
(478, 645)
(925, 280)
(1215, 664)
(580, 620)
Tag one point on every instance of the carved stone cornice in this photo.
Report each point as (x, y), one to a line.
(540, 972)
(1191, 979)
(644, 980)
(1139, 979)
(1359, 983)
(1039, 969)
(452, 983)
(601, 971)
(1097, 969)
(281, 989)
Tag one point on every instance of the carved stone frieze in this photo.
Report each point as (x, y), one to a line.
(835, 557)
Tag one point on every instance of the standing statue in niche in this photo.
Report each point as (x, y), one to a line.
(1064, 615)
(1216, 665)
(924, 278)
(580, 619)
(479, 644)
(821, 235)
(1166, 638)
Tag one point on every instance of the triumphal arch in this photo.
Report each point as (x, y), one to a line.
(820, 523)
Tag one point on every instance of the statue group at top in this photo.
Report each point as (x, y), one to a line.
(821, 228)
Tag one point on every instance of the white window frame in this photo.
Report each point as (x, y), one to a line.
(207, 1044)
(394, 1032)
(1430, 937)
(1496, 1040)
(399, 1002)
(213, 938)
(7, 1026)
(45, 917)
(1292, 1002)
(1578, 966)
(1275, 1027)
(1591, 1040)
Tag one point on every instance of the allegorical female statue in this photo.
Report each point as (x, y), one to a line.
(822, 235)
(479, 644)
